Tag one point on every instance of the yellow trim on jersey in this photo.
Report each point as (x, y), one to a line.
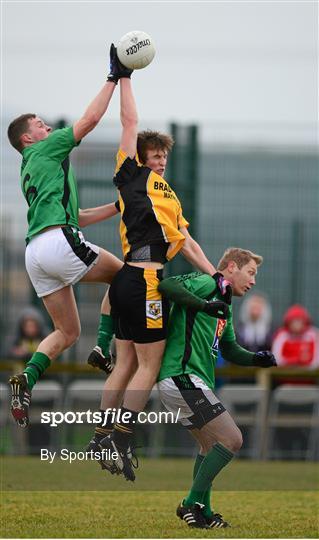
(166, 208)
(153, 305)
(121, 157)
(126, 247)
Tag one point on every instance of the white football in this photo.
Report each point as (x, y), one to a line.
(136, 50)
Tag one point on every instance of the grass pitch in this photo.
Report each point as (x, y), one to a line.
(269, 500)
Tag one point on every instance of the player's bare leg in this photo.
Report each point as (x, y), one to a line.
(112, 397)
(124, 370)
(115, 385)
(223, 430)
(149, 362)
(149, 356)
(62, 308)
(104, 270)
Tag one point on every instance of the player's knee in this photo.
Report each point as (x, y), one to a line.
(125, 372)
(149, 370)
(233, 440)
(236, 441)
(204, 449)
(72, 336)
(75, 336)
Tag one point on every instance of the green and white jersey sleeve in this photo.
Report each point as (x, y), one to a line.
(48, 182)
(193, 337)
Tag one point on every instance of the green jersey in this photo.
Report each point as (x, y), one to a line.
(48, 182)
(193, 337)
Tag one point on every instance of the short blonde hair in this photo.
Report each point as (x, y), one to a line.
(239, 256)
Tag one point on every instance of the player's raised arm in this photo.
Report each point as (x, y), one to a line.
(129, 118)
(94, 112)
(99, 105)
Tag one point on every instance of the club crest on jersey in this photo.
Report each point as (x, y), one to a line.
(153, 309)
(221, 324)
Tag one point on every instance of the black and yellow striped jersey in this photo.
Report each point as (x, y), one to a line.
(150, 210)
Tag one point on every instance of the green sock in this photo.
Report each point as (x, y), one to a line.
(35, 367)
(197, 464)
(105, 333)
(214, 461)
(207, 511)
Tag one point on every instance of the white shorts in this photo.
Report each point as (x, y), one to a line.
(190, 398)
(58, 257)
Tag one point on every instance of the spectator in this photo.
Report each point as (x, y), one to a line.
(31, 330)
(254, 330)
(296, 343)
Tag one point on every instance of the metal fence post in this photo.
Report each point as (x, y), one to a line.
(184, 178)
(297, 262)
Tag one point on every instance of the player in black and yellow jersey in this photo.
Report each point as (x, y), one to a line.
(153, 230)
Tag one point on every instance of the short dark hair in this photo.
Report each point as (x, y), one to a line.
(17, 127)
(152, 140)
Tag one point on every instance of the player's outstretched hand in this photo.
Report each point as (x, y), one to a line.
(117, 70)
(224, 287)
(217, 309)
(264, 359)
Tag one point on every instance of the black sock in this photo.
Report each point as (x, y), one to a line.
(104, 427)
(123, 429)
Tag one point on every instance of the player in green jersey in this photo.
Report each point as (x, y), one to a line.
(186, 380)
(57, 255)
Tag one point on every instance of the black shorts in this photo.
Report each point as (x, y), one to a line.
(139, 311)
(190, 400)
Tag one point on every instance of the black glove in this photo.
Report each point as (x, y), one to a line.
(264, 359)
(224, 287)
(117, 70)
(217, 309)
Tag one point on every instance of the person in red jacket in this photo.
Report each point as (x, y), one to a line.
(296, 343)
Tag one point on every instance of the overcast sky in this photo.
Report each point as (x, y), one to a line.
(216, 62)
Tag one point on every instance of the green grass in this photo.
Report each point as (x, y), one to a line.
(31, 474)
(269, 500)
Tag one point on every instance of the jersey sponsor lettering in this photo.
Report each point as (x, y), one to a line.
(168, 193)
(221, 325)
(162, 186)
